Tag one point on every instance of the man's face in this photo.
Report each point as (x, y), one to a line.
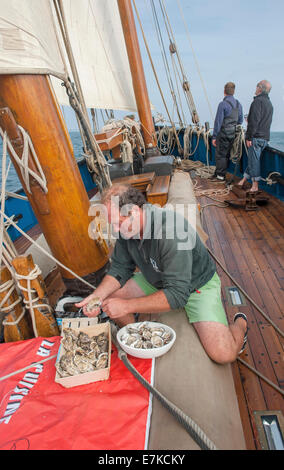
(258, 89)
(126, 220)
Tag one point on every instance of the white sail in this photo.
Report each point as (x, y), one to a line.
(29, 44)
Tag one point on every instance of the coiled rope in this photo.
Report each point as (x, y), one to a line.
(167, 138)
(31, 302)
(23, 160)
(9, 287)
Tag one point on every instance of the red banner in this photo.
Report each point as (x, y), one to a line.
(38, 413)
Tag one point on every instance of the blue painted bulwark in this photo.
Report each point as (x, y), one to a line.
(23, 209)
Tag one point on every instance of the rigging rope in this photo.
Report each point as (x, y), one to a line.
(99, 164)
(166, 65)
(236, 150)
(156, 76)
(174, 50)
(49, 255)
(195, 59)
(125, 127)
(24, 159)
(167, 138)
(95, 160)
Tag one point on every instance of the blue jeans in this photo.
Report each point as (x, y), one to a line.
(254, 152)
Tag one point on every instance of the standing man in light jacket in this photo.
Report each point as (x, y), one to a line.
(258, 132)
(229, 115)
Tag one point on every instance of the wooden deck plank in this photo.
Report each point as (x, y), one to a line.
(268, 297)
(267, 301)
(275, 349)
(250, 245)
(250, 383)
(252, 441)
(258, 345)
(22, 243)
(275, 209)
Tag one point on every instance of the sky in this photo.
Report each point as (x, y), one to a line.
(240, 41)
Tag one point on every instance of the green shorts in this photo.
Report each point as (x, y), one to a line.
(204, 305)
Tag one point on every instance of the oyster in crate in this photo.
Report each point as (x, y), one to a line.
(82, 353)
(102, 361)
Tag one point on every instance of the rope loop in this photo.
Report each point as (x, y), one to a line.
(31, 302)
(9, 286)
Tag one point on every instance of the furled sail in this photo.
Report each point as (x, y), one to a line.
(30, 42)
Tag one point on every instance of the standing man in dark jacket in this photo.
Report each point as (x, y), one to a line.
(229, 115)
(258, 132)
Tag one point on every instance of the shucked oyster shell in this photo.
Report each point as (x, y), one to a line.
(145, 336)
(93, 304)
(157, 341)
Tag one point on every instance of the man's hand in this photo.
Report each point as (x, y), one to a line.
(248, 143)
(214, 143)
(84, 303)
(116, 308)
(108, 285)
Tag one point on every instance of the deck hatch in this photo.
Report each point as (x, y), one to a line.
(270, 426)
(235, 297)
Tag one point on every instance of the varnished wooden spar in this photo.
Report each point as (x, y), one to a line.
(137, 72)
(15, 330)
(44, 322)
(63, 212)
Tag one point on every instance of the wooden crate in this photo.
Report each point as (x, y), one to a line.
(140, 181)
(86, 325)
(109, 139)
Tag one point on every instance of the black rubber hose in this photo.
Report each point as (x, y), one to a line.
(189, 425)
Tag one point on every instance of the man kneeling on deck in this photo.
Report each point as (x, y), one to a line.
(176, 271)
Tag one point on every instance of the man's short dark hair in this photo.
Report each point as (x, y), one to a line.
(127, 195)
(230, 88)
(132, 196)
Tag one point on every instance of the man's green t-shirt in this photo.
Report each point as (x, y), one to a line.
(170, 256)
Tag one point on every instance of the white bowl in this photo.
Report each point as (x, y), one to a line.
(146, 353)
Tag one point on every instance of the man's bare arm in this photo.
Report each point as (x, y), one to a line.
(154, 303)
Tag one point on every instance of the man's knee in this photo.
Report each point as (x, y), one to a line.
(216, 341)
(221, 355)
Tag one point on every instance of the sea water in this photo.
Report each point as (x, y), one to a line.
(13, 183)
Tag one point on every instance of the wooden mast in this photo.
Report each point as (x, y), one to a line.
(63, 212)
(138, 76)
